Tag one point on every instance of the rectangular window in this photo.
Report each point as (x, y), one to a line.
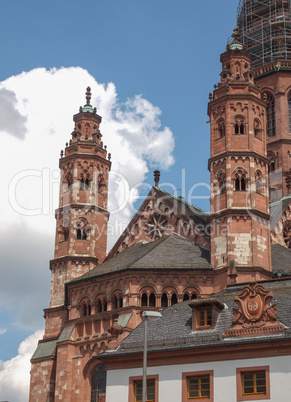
(204, 317)
(135, 388)
(253, 383)
(150, 394)
(197, 386)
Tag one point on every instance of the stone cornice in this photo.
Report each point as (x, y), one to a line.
(239, 154)
(239, 211)
(87, 207)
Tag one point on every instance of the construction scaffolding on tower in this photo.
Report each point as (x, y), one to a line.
(265, 29)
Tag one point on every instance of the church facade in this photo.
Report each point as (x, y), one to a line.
(168, 260)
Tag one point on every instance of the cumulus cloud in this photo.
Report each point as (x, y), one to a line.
(14, 373)
(3, 331)
(11, 121)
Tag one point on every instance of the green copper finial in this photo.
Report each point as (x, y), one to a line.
(236, 44)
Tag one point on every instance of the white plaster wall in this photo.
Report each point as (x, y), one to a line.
(170, 384)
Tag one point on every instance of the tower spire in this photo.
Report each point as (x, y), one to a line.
(88, 96)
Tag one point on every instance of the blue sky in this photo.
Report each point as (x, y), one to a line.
(166, 51)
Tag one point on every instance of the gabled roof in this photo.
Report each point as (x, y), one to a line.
(179, 205)
(170, 251)
(174, 329)
(281, 260)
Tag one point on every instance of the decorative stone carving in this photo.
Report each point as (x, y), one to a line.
(157, 226)
(255, 315)
(287, 233)
(115, 329)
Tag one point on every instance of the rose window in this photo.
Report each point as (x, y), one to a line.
(157, 226)
(287, 233)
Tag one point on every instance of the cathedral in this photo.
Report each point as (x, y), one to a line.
(221, 281)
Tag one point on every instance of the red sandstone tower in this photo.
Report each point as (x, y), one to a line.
(239, 168)
(82, 216)
(265, 27)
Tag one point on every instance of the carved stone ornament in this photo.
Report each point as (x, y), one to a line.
(115, 329)
(255, 315)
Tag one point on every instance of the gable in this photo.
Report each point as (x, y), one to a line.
(162, 213)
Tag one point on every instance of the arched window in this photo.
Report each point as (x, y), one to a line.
(98, 383)
(89, 309)
(82, 184)
(104, 305)
(87, 184)
(194, 296)
(84, 310)
(239, 127)
(271, 167)
(174, 299)
(152, 300)
(221, 128)
(120, 302)
(237, 184)
(240, 181)
(186, 297)
(81, 227)
(221, 178)
(257, 129)
(144, 300)
(114, 302)
(99, 306)
(68, 181)
(271, 121)
(259, 182)
(164, 300)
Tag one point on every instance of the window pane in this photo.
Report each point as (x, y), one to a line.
(198, 387)
(150, 397)
(201, 319)
(254, 383)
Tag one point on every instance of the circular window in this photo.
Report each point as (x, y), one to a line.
(157, 226)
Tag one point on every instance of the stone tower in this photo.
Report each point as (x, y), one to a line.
(82, 216)
(264, 26)
(239, 167)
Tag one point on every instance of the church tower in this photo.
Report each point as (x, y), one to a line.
(239, 168)
(82, 216)
(265, 27)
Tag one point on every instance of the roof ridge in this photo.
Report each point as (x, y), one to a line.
(182, 200)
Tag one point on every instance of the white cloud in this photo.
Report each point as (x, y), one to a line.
(14, 373)
(3, 331)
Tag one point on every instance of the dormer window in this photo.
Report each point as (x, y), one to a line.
(204, 318)
(205, 313)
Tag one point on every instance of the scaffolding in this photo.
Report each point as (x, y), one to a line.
(265, 29)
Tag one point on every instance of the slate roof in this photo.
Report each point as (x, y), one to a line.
(281, 259)
(170, 251)
(276, 209)
(174, 329)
